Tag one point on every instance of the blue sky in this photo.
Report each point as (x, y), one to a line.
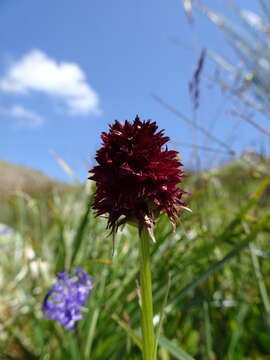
(70, 68)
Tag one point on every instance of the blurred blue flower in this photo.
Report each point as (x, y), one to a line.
(5, 230)
(65, 299)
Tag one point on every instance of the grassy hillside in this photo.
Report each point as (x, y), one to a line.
(217, 259)
(15, 177)
(20, 181)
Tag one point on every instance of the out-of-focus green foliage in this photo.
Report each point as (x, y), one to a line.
(218, 261)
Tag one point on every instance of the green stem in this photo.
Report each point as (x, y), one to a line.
(148, 336)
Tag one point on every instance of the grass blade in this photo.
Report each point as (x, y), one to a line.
(79, 235)
(207, 328)
(162, 313)
(261, 283)
(136, 339)
(219, 264)
(173, 349)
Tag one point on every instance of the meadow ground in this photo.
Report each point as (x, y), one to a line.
(217, 261)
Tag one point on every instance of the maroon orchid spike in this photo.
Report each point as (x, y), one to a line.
(136, 177)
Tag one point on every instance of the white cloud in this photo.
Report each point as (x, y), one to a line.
(23, 116)
(35, 71)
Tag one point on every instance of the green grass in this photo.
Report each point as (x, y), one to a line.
(217, 259)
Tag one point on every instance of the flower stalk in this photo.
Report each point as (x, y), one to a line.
(148, 335)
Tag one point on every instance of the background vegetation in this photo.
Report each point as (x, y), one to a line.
(217, 259)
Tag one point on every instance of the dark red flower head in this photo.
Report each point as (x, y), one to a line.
(136, 176)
